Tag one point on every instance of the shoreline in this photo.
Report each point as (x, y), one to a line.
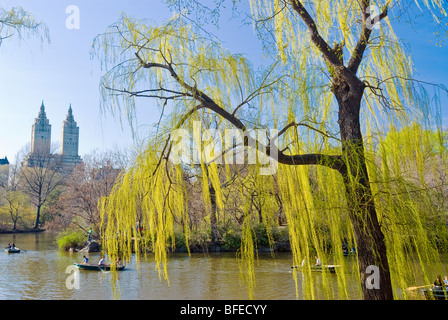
(5, 231)
(280, 246)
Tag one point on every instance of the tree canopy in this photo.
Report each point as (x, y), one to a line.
(337, 79)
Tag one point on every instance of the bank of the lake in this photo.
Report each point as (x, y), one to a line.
(198, 242)
(8, 230)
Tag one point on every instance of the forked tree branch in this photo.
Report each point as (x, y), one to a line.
(295, 124)
(363, 40)
(327, 52)
(332, 161)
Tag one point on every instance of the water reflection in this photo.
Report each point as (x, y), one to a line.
(39, 272)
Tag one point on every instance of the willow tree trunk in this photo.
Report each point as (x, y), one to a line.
(371, 248)
(213, 218)
(36, 223)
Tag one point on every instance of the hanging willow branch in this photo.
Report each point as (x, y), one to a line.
(334, 190)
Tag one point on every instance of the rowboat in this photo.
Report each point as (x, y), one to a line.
(96, 267)
(9, 250)
(323, 268)
(435, 293)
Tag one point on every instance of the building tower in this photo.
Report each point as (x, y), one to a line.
(41, 133)
(70, 140)
(70, 135)
(41, 155)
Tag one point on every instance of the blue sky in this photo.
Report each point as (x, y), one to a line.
(63, 72)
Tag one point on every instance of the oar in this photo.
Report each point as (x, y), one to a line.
(18, 248)
(419, 287)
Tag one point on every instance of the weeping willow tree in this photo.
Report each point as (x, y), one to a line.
(338, 78)
(20, 23)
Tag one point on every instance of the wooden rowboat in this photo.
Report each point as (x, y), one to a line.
(323, 268)
(9, 250)
(96, 267)
(435, 293)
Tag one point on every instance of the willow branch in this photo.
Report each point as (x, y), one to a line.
(198, 95)
(294, 124)
(334, 162)
(331, 161)
(363, 40)
(327, 52)
(168, 142)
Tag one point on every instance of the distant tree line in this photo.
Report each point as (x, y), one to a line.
(49, 196)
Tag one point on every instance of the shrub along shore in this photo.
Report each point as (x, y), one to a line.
(230, 241)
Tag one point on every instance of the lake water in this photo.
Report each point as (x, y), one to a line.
(39, 272)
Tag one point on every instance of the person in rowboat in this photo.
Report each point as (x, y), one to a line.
(102, 261)
(85, 259)
(439, 282)
(318, 263)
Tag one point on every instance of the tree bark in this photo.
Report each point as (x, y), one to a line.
(369, 237)
(36, 224)
(213, 218)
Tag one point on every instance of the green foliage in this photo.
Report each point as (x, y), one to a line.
(71, 239)
(231, 239)
(20, 22)
(16, 209)
(197, 241)
(174, 63)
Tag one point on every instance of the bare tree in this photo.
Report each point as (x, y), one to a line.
(88, 183)
(40, 176)
(16, 205)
